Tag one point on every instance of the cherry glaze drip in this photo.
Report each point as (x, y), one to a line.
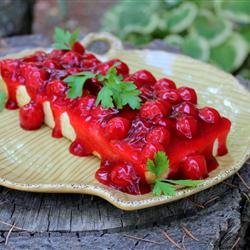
(78, 148)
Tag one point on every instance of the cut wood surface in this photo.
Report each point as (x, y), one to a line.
(217, 218)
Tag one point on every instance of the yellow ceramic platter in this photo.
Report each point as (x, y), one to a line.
(34, 161)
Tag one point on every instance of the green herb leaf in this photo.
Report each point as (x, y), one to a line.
(2, 100)
(114, 93)
(160, 165)
(76, 83)
(185, 183)
(64, 39)
(163, 188)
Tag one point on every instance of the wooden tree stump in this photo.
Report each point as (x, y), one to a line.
(217, 218)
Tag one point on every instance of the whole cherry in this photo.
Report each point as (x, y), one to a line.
(142, 78)
(194, 167)
(158, 135)
(209, 115)
(185, 108)
(121, 67)
(123, 174)
(187, 126)
(164, 84)
(188, 94)
(31, 116)
(117, 128)
(154, 110)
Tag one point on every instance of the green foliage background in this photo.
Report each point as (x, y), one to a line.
(214, 31)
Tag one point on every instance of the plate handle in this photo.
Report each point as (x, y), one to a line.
(101, 43)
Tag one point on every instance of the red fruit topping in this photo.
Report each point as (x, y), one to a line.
(117, 128)
(158, 135)
(123, 174)
(56, 53)
(209, 115)
(78, 47)
(154, 110)
(89, 64)
(185, 108)
(38, 56)
(102, 175)
(149, 150)
(121, 67)
(52, 64)
(78, 148)
(31, 116)
(170, 95)
(188, 94)
(187, 126)
(10, 104)
(194, 167)
(56, 88)
(164, 84)
(71, 59)
(142, 78)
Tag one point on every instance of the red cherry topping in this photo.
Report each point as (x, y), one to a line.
(141, 78)
(152, 110)
(52, 64)
(78, 47)
(187, 126)
(170, 95)
(123, 174)
(71, 59)
(164, 84)
(117, 128)
(56, 88)
(31, 116)
(194, 167)
(188, 94)
(122, 68)
(158, 135)
(185, 108)
(150, 149)
(209, 115)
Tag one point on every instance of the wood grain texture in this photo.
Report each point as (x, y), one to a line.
(217, 217)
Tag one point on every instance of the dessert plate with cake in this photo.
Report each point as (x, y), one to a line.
(138, 128)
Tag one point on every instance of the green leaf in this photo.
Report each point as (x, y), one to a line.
(179, 19)
(76, 83)
(114, 93)
(212, 28)
(163, 188)
(185, 183)
(231, 54)
(159, 165)
(245, 33)
(64, 39)
(237, 11)
(105, 98)
(117, 92)
(2, 100)
(196, 47)
(174, 40)
(132, 16)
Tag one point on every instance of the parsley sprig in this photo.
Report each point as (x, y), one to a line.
(158, 167)
(114, 93)
(2, 100)
(64, 39)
